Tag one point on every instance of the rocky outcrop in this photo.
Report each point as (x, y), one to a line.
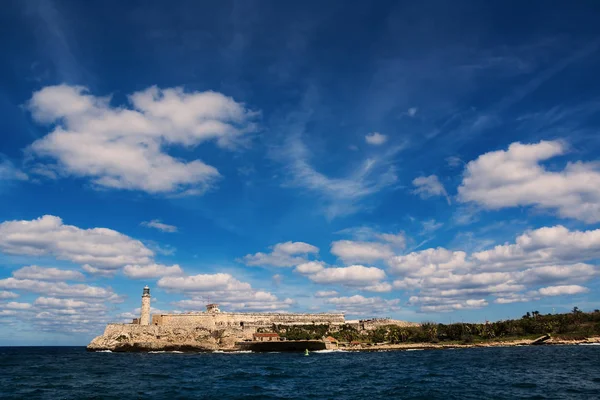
(131, 338)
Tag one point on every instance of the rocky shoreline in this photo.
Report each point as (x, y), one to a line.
(137, 338)
(441, 346)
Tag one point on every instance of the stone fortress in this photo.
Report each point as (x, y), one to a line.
(211, 329)
(246, 323)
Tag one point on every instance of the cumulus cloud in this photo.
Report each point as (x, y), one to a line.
(351, 251)
(286, 254)
(7, 295)
(48, 235)
(245, 301)
(310, 267)
(125, 147)
(360, 305)
(98, 272)
(59, 289)
(429, 186)
(382, 287)
(326, 293)
(47, 274)
(202, 283)
(354, 275)
(433, 304)
(224, 289)
(562, 290)
(516, 177)
(17, 306)
(452, 280)
(375, 139)
(156, 224)
(151, 271)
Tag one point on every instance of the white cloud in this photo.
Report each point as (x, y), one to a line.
(285, 254)
(446, 280)
(99, 247)
(562, 290)
(203, 283)
(360, 305)
(354, 275)
(367, 234)
(156, 224)
(516, 177)
(342, 196)
(7, 295)
(436, 304)
(55, 303)
(421, 262)
(47, 274)
(382, 287)
(97, 271)
(397, 240)
(310, 267)
(245, 301)
(58, 289)
(7, 313)
(351, 251)
(224, 289)
(17, 306)
(151, 271)
(412, 111)
(544, 246)
(430, 226)
(124, 147)
(375, 138)
(9, 172)
(326, 293)
(430, 186)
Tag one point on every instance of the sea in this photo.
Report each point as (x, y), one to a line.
(544, 372)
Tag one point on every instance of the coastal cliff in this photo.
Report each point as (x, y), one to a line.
(131, 337)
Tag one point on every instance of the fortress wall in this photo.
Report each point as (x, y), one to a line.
(112, 329)
(245, 320)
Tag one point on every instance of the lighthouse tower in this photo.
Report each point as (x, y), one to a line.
(145, 316)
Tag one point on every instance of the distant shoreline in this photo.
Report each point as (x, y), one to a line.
(442, 346)
(367, 348)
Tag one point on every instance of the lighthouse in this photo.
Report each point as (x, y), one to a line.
(145, 315)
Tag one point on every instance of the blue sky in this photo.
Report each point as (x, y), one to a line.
(432, 161)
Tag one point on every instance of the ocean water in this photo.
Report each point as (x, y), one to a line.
(553, 372)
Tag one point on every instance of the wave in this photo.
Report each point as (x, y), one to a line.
(164, 351)
(414, 349)
(104, 351)
(232, 352)
(589, 344)
(330, 351)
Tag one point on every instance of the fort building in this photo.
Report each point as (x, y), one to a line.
(247, 323)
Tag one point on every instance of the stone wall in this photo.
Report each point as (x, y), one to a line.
(244, 320)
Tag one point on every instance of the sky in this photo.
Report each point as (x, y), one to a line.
(424, 161)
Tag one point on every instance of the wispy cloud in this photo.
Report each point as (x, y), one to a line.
(157, 224)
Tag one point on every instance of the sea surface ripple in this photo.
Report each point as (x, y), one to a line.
(552, 372)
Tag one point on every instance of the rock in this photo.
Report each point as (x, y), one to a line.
(134, 338)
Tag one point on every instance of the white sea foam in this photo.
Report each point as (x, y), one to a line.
(589, 344)
(233, 352)
(104, 351)
(330, 351)
(163, 351)
(414, 349)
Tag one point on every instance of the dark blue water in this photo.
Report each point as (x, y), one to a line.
(566, 372)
